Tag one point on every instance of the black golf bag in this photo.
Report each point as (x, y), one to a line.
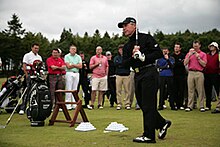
(9, 93)
(39, 100)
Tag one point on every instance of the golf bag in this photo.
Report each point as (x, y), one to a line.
(10, 90)
(39, 100)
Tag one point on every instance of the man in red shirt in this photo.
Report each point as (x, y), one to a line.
(211, 73)
(56, 68)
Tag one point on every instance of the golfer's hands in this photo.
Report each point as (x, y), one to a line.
(137, 54)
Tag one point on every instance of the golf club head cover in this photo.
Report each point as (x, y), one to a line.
(138, 55)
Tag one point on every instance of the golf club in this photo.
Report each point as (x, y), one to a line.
(136, 22)
(10, 117)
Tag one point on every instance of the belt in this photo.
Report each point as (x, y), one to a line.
(112, 76)
(56, 74)
(195, 70)
(138, 69)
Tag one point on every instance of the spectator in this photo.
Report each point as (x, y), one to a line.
(211, 73)
(196, 61)
(165, 66)
(99, 66)
(73, 64)
(28, 61)
(111, 93)
(83, 80)
(179, 76)
(56, 70)
(122, 80)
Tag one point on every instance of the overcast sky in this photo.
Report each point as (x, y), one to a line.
(169, 16)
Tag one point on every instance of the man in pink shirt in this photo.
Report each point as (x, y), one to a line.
(99, 66)
(196, 61)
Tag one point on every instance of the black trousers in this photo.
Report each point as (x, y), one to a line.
(166, 85)
(179, 82)
(210, 81)
(146, 85)
(86, 89)
(112, 90)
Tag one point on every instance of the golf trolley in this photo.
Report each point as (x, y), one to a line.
(10, 90)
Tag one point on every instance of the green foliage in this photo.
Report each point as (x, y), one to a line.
(15, 42)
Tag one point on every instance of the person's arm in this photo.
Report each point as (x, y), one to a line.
(92, 64)
(25, 69)
(200, 60)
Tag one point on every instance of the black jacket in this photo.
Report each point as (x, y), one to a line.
(148, 46)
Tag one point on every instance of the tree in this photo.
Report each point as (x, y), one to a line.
(14, 27)
(12, 42)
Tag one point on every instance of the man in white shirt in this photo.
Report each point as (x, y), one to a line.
(28, 60)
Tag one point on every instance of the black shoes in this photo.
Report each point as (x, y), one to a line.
(143, 139)
(163, 131)
(215, 111)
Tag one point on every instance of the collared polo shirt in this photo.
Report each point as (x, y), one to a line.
(99, 71)
(30, 57)
(72, 59)
(56, 62)
(194, 64)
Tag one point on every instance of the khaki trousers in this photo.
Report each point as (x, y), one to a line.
(123, 81)
(195, 81)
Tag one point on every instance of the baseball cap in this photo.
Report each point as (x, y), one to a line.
(126, 21)
(108, 53)
(215, 44)
(59, 50)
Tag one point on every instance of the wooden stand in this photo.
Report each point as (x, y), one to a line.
(60, 103)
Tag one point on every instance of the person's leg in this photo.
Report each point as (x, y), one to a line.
(208, 90)
(191, 89)
(118, 90)
(103, 87)
(52, 82)
(162, 85)
(126, 84)
(69, 83)
(112, 88)
(170, 91)
(200, 88)
(132, 87)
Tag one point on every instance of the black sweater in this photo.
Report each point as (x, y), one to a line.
(148, 46)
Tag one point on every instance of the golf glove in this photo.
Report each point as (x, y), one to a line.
(138, 55)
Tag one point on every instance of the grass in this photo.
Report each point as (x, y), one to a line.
(188, 129)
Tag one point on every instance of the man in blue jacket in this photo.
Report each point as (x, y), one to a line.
(165, 66)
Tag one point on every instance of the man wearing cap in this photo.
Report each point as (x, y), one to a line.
(141, 53)
(211, 73)
(56, 68)
(111, 80)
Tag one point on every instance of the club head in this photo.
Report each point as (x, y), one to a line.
(2, 127)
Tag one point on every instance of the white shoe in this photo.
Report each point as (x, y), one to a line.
(89, 107)
(118, 107)
(128, 108)
(164, 106)
(181, 108)
(21, 112)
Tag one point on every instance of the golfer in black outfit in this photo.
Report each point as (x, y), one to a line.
(141, 55)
